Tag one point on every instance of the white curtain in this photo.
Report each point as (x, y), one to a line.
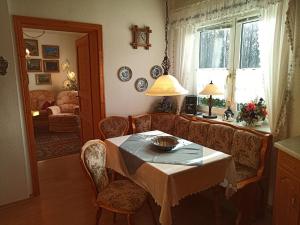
(275, 52)
(208, 10)
(184, 58)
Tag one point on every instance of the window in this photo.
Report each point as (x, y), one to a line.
(229, 56)
(214, 48)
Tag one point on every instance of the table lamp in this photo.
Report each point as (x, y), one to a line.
(210, 89)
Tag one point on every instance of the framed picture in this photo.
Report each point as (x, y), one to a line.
(50, 51)
(34, 65)
(32, 46)
(51, 66)
(140, 37)
(43, 79)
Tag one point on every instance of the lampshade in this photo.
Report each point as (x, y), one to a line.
(211, 89)
(71, 75)
(166, 85)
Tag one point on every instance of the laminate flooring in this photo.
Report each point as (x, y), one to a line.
(67, 198)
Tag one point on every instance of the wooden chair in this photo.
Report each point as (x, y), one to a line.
(250, 199)
(121, 196)
(113, 126)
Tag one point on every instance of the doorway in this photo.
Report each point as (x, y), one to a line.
(91, 84)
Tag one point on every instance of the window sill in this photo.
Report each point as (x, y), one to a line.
(219, 112)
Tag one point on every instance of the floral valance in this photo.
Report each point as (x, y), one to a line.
(207, 10)
(290, 22)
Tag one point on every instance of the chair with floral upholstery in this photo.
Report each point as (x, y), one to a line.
(113, 126)
(121, 196)
(64, 116)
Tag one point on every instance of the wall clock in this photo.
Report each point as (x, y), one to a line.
(140, 37)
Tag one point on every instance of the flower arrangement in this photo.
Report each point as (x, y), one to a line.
(71, 82)
(253, 112)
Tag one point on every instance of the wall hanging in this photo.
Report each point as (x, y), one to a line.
(141, 84)
(34, 65)
(32, 46)
(51, 66)
(140, 37)
(3, 66)
(124, 73)
(43, 79)
(155, 71)
(50, 51)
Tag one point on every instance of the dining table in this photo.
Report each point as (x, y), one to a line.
(169, 176)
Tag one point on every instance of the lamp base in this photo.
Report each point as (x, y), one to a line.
(209, 116)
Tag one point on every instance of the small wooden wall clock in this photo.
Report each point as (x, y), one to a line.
(140, 37)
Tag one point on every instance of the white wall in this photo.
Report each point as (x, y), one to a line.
(15, 181)
(116, 17)
(67, 50)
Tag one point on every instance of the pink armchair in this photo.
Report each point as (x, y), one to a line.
(64, 116)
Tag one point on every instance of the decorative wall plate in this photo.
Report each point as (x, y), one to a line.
(124, 73)
(156, 71)
(141, 84)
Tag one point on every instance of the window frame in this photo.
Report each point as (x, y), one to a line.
(235, 25)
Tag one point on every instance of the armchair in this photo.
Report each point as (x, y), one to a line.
(64, 116)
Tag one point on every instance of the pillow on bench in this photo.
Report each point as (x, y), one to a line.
(220, 137)
(182, 126)
(163, 122)
(141, 123)
(246, 149)
(198, 132)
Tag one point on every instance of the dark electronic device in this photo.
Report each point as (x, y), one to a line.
(191, 104)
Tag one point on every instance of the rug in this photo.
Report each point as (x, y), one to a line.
(51, 145)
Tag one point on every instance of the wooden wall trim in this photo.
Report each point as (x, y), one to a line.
(94, 31)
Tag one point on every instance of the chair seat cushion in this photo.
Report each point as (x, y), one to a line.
(244, 172)
(122, 195)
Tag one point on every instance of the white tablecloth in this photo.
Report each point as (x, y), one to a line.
(169, 183)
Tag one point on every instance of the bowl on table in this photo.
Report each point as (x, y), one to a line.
(165, 143)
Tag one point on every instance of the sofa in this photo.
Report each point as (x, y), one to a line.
(248, 147)
(40, 100)
(64, 115)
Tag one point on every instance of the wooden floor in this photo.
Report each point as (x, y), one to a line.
(67, 198)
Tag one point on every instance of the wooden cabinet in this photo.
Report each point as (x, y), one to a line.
(287, 191)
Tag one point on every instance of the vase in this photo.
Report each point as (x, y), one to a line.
(253, 123)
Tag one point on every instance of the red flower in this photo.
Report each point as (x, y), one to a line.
(250, 107)
(264, 111)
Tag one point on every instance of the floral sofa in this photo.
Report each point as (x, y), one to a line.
(64, 115)
(249, 148)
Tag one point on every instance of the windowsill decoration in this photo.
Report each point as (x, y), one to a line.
(70, 83)
(253, 113)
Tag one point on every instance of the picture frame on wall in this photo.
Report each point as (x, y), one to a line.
(34, 65)
(50, 51)
(33, 46)
(43, 79)
(51, 66)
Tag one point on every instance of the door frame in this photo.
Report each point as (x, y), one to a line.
(96, 54)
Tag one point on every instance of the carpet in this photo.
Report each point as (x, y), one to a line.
(51, 145)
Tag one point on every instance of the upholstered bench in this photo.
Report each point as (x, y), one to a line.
(249, 148)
